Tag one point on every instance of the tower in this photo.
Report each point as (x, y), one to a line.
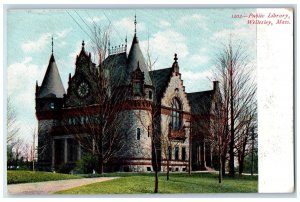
(49, 101)
(138, 109)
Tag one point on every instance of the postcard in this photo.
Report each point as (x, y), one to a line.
(142, 101)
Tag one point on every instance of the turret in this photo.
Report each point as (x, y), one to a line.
(138, 110)
(49, 101)
(49, 95)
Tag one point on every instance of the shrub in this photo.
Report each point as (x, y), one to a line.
(86, 164)
(65, 168)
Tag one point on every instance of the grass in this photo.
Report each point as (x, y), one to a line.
(21, 176)
(136, 183)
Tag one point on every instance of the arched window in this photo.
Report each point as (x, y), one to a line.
(176, 114)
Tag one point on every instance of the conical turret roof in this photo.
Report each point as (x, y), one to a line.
(52, 85)
(135, 56)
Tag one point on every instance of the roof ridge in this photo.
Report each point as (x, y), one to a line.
(201, 91)
(160, 69)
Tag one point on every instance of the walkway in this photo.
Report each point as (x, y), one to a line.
(50, 187)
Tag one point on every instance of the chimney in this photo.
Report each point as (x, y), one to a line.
(215, 85)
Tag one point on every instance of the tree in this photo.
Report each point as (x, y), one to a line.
(12, 141)
(12, 124)
(105, 135)
(238, 91)
(246, 138)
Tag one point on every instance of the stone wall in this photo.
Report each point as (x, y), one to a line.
(137, 153)
(175, 89)
(45, 140)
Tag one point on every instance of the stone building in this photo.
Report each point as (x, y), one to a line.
(157, 113)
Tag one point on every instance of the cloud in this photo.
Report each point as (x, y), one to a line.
(43, 41)
(21, 78)
(126, 25)
(197, 60)
(191, 78)
(164, 24)
(163, 45)
(23, 73)
(194, 20)
(95, 19)
(246, 35)
(63, 33)
(37, 44)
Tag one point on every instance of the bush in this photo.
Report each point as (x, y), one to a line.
(86, 164)
(65, 168)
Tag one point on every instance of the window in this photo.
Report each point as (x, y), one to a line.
(176, 114)
(138, 133)
(148, 168)
(176, 153)
(52, 105)
(170, 152)
(150, 95)
(137, 88)
(183, 154)
(82, 120)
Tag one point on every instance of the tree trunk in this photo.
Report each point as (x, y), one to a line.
(220, 165)
(231, 144)
(241, 165)
(156, 171)
(168, 168)
(100, 156)
(223, 159)
(100, 164)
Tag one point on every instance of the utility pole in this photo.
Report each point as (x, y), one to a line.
(252, 156)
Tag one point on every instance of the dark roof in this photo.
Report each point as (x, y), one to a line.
(52, 85)
(117, 64)
(135, 56)
(200, 102)
(160, 79)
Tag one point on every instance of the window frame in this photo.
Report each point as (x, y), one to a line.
(176, 114)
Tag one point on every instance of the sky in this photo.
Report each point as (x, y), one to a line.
(196, 35)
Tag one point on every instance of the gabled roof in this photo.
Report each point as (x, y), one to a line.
(160, 79)
(83, 55)
(135, 56)
(52, 85)
(200, 102)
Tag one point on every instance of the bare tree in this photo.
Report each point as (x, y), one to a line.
(246, 136)
(100, 132)
(12, 125)
(12, 141)
(238, 91)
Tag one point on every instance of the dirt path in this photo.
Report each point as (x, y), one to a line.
(50, 187)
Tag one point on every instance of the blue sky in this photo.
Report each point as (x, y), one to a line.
(196, 35)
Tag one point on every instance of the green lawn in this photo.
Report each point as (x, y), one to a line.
(20, 176)
(179, 183)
